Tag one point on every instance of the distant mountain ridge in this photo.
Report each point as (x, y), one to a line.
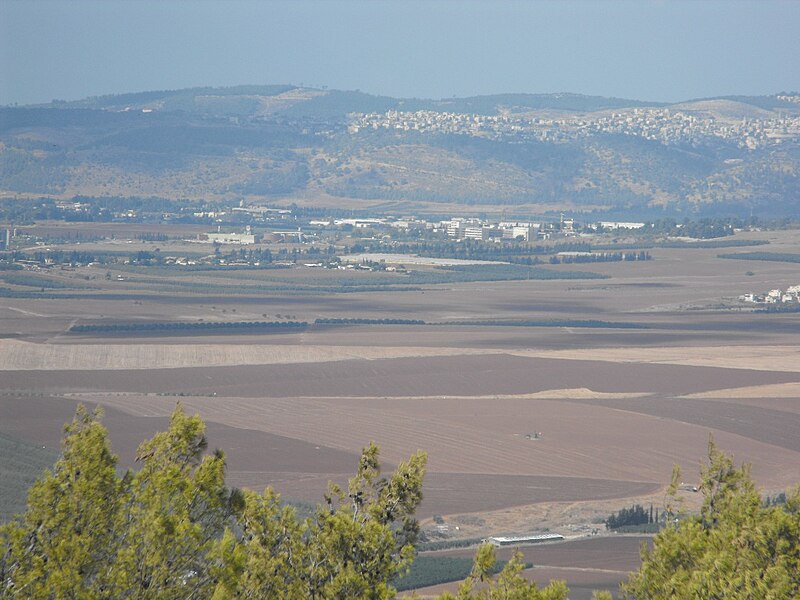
(357, 101)
(284, 144)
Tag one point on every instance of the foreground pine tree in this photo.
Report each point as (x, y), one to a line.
(63, 545)
(173, 530)
(89, 533)
(735, 549)
(508, 585)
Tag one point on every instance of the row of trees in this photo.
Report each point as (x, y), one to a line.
(600, 257)
(467, 249)
(292, 326)
(173, 529)
(766, 256)
(635, 515)
(187, 326)
(701, 228)
(369, 322)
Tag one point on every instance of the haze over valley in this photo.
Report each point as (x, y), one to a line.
(368, 300)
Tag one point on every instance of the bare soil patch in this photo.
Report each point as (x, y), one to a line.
(294, 410)
(41, 420)
(490, 436)
(481, 375)
(582, 583)
(296, 426)
(597, 563)
(453, 493)
(775, 427)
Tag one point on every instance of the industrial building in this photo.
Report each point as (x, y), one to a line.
(241, 239)
(510, 540)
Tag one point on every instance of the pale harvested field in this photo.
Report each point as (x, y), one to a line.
(20, 355)
(760, 392)
(757, 358)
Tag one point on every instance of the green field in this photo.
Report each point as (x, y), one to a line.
(433, 570)
(21, 465)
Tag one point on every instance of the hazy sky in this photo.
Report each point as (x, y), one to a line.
(650, 50)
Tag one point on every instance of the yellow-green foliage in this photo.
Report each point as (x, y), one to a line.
(736, 548)
(60, 547)
(173, 530)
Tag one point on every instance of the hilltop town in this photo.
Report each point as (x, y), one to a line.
(670, 126)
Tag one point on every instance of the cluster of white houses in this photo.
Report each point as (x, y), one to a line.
(776, 296)
(466, 229)
(663, 124)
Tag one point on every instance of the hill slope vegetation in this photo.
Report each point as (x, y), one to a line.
(324, 147)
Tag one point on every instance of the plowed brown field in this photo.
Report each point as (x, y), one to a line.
(614, 407)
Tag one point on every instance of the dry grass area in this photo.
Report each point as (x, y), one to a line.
(759, 392)
(21, 355)
(754, 358)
